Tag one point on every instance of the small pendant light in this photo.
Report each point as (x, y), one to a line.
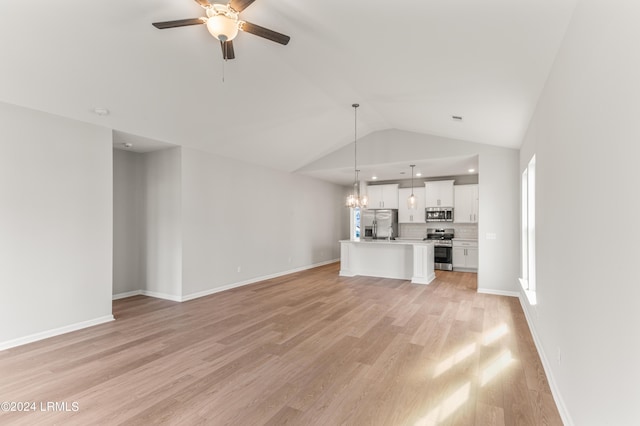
(412, 201)
(355, 199)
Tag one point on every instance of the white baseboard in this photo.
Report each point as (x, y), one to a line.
(149, 293)
(126, 294)
(555, 392)
(254, 280)
(54, 332)
(499, 292)
(159, 295)
(423, 280)
(199, 294)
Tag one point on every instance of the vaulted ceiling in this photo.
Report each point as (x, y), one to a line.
(410, 65)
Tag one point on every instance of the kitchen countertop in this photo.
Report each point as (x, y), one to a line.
(395, 242)
(475, 240)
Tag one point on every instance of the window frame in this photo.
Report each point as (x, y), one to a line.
(528, 231)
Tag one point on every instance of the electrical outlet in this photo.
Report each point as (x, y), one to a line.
(239, 269)
(559, 356)
(289, 259)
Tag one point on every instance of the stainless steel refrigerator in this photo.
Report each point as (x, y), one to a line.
(380, 224)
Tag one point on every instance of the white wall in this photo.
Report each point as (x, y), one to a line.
(585, 135)
(163, 223)
(55, 224)
(264, 221)
(129, 196)
(499, 192)
(185, 220)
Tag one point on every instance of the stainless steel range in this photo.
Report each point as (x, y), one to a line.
(443, 247)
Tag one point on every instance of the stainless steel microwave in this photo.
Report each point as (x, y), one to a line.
(439, 214)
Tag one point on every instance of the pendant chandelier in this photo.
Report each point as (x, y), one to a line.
(412, 201)
(354, 199)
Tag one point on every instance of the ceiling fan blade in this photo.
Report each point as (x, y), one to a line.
(254, 29)
(227, 50)
(240, 5)
(179, 23)
(203, 3)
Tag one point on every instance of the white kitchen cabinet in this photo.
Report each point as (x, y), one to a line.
(465, 208)
(439, 193)
(465, 255)
(374, 195)
(382, 196)
(406, 215)
(458, 255)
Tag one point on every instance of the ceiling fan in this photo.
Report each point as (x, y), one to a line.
(223, 23)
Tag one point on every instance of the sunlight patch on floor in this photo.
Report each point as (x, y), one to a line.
(454, 359)
(487, 338)
(491, 370)
(447, 407)
(498, 365)
(453, 402)
(494, 334)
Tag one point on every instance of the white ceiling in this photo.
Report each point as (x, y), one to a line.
(285, 106)
(139, 144)
(428, 168)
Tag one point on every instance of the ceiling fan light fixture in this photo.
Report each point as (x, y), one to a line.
(222, 27)
(222, 22)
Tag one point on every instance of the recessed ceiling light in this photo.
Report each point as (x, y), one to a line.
(418, 174)
(101, 111)
(374, 177)
(127, 144)
(472, 170)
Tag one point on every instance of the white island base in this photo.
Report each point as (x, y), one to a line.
(404, 260)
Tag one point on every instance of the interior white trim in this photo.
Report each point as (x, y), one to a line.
(126, 294)
(499, 292)
(164, 296)
(254, 280)
(555, 392)
(54, 332)
(217, 289)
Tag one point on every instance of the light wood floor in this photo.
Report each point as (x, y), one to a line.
(310, 348)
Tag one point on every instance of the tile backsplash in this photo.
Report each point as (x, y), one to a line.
(419, 230)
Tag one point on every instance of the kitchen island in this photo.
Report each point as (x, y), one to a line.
(399, 259)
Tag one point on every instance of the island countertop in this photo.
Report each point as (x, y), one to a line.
(398, 259)
(397, 242)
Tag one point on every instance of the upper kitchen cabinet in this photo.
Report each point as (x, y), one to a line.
(406, 215)
(465, 209)
(383, 196)
(439, 193)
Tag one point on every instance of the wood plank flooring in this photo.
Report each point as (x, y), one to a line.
(310, 348)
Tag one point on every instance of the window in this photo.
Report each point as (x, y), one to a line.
(528, 237)
(355, 235)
